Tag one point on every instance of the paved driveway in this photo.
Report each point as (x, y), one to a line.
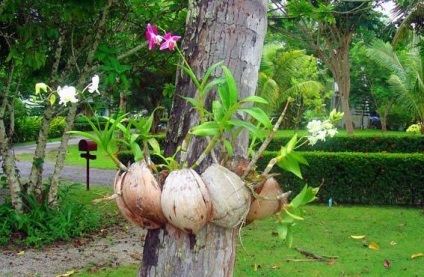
(75, 174)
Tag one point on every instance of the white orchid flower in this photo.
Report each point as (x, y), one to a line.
(67, 94)
(314, 126)
(94, 86)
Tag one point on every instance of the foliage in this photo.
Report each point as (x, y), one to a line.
(414, 129)
(82, 122)
(41, 224)
(56, 127)
(27, 128)
(359, 178)
(407, 76)
(399, 143)
(285, 74)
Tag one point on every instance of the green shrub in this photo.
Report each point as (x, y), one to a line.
(81, 124)
(27, 128)
(358, 178)
(391, 144)
(56, 127)
(40, 224)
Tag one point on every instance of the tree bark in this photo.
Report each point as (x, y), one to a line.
(231, 31)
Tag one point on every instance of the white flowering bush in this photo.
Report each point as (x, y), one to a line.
(414, 129)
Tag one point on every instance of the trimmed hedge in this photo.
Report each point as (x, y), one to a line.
(391, 144)
(81, 124)
(360, 178)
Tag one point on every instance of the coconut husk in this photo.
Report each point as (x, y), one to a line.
(263, 208)
(230, 197)
(185, 200)
(122, 207)
(141, 193)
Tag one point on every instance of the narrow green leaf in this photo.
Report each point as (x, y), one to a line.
(232, 85)
(255, 99)
(154, 144)
(229, 148)
(208, 74)
(292, 143)
(206, 129)
(216, 82)
(282, 230)
(259, 115)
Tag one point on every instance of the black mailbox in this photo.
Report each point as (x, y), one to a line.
(87, 145)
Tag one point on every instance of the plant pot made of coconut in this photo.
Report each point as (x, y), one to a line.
(141, 193)
(263, 208)
(122, 207)
(230, 197)
(185, 200)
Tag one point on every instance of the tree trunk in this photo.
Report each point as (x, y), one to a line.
(36, 175)
(231, 31)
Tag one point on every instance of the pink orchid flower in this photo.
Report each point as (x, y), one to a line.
(152, 36)
(170, 42)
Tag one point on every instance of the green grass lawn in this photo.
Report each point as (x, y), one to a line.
(327, 232)
(73, 158)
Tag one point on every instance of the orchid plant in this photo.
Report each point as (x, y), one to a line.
(222, 120)
(66, 94)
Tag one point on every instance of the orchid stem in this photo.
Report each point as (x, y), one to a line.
(266, 142)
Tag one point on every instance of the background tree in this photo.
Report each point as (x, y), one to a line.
(233, 32)
(88, 38)
(326, 29)
(407, 77)
(285, 74)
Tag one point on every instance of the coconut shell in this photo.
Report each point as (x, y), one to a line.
(122, 207)
(230, 197)
(141, 193)
(263, 208)
(185, 200)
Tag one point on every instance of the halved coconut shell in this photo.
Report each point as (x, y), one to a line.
(230, 197)
(263, 208)
(141, 193)
(185, 200)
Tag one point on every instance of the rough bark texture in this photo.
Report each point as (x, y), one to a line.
(231, 31)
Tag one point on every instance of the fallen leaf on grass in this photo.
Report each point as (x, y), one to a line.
(357, 237)
(417, 255)
(67, 274)
(373, 246)
(393, 243)
(21, 253)
(386, 263)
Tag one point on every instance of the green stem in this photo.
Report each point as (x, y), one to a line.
(266, 142)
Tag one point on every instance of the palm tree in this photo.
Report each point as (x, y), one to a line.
(408, 13)
(285, 74)
(407, 80)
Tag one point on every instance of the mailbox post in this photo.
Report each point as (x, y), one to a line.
(87, 146)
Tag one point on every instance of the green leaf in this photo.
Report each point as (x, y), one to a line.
(255, 99)
(208, 74)
(154, 144)
(194, 102)
(211, 85)
(52, 99)
(206, 129)
(229, 148)
(259, 115)
(218, 111)
(291, 144)
(232, 86)
(246, 125)
(293, 215)
(307, 195)
(282, 230)
(192, 76)
(298, 158)
(291, 165)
